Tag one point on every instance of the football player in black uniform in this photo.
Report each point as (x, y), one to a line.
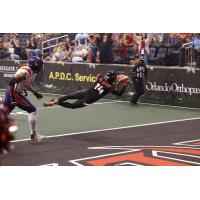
(104, 84)
(139, 72)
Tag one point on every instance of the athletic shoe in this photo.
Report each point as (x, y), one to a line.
(134, 104)
(35, 137)
(49, 103)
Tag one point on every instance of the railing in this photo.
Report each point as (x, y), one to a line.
(50, 40)
(189, 56)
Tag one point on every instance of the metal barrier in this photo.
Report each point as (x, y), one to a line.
(53, 39)
(189, 56)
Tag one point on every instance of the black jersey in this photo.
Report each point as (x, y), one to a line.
(100, 88)
(139, 71)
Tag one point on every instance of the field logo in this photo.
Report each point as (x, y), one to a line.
(179, 154)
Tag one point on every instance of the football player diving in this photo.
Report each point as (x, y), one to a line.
(14, 95)
(104, 84)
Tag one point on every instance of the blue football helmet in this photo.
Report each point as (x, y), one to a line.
(36, 64)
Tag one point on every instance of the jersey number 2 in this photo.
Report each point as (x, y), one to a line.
(99, 88)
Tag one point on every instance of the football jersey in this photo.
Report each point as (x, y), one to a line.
(21, 86)
(139, 71)
(100, 88)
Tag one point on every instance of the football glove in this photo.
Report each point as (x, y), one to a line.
(38, 95)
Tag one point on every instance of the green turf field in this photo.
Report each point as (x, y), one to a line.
(102, 115)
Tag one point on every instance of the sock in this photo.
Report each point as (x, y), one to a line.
(32, 121)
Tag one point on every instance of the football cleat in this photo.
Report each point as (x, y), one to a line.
(51, 102)
(134, 104)
(35, 137)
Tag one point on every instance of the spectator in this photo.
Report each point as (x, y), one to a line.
(129, 39)
(3, 51)
(97, 39)
(165, 40)
(122, 53)
(184, 38)
(173, 39)
(13, 51)
(196, 49)
(82, 38)
(92, 50)
(17, 49)
(89, 55)
(97, 59)
(105, 50)
(7, 43)
(39, 39)
(116, 37)
(68, 45)
(31, 47)
(59, 54)
(80, 54)
(144, 48)
(154, 41)
(135, 49)
(31, 43)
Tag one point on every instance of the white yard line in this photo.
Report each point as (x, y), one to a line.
(159, 105)
(116, 128)
(189, 108)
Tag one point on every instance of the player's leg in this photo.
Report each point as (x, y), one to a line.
(76, 95)
(139, 90)
(136, 94)
(24, 104)
(77, 104)
(141, 86)
(7, 101)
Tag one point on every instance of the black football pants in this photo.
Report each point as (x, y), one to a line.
(81, 102)
(139, 90)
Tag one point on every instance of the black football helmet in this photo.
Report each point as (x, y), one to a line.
(36, 64)
(110, 77)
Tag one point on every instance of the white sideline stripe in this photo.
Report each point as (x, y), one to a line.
(190, 108)
(159, 105)
(111, 129)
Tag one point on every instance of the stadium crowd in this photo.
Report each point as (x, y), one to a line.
(119, 48)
